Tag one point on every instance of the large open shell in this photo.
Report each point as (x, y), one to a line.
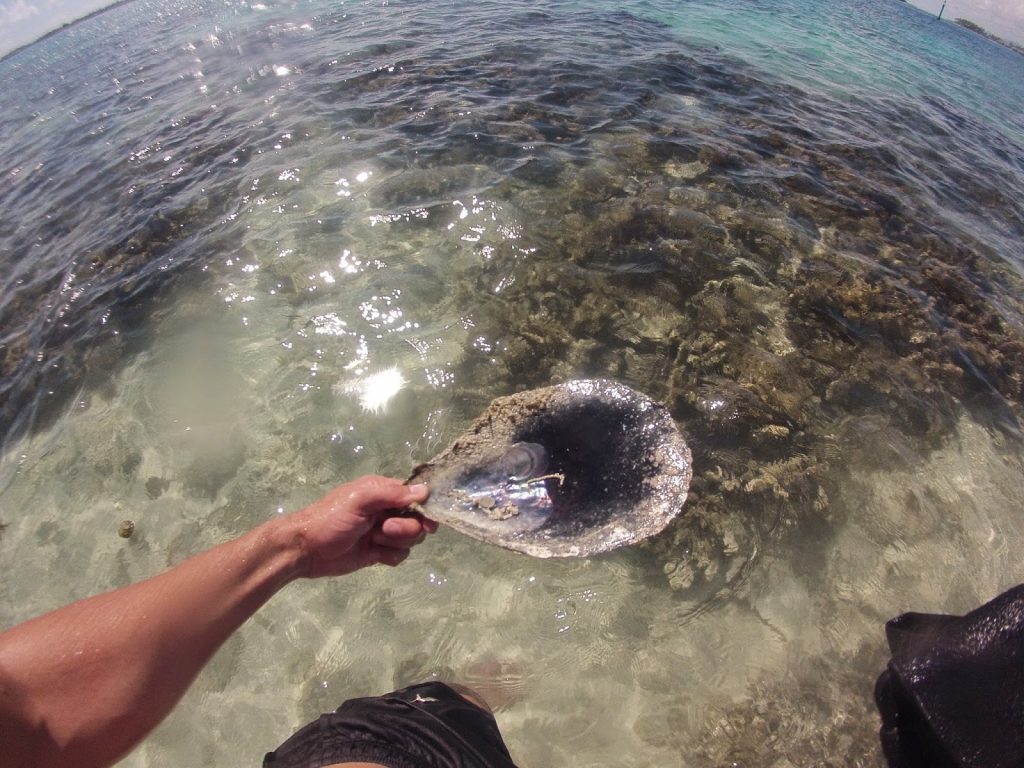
(565, 471)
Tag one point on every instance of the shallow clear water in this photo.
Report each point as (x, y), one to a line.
(252, 250)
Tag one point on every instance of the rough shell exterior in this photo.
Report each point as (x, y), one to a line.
(619, 468)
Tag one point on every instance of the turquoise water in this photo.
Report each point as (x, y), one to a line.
(253, 249)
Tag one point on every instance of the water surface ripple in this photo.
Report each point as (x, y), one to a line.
(252, 249)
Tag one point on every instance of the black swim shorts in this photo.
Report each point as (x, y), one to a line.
(423, 725)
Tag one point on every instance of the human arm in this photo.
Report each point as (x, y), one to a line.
(84, 684)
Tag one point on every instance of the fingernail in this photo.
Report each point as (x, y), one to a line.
(419, 488)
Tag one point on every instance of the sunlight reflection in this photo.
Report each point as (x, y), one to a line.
(376, 390)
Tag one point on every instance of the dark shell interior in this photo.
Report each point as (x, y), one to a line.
(570, 470)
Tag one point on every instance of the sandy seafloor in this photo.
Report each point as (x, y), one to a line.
(798, 224)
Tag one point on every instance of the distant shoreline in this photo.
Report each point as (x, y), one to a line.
(965, 23)
(64, 26)
(968, 24)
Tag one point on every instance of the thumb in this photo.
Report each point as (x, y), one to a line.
(372, 495)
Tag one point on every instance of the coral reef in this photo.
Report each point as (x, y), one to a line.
(763, 260)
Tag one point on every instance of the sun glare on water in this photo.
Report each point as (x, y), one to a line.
(376, 390)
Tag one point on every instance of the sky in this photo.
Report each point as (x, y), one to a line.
(1004, 18)
(22, 21)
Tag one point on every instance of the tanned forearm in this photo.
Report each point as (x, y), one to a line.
(102, 672)
(81, 686)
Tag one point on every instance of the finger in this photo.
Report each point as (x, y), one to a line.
(402, 526)
(399, 532)
(430, 526)
(372, 495)
(390, 557)
(377, 480)
(420, 490)
(396, 544)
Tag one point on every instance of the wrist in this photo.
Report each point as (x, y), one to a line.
(285, 540)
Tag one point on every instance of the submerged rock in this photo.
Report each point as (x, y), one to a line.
(564, 471)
